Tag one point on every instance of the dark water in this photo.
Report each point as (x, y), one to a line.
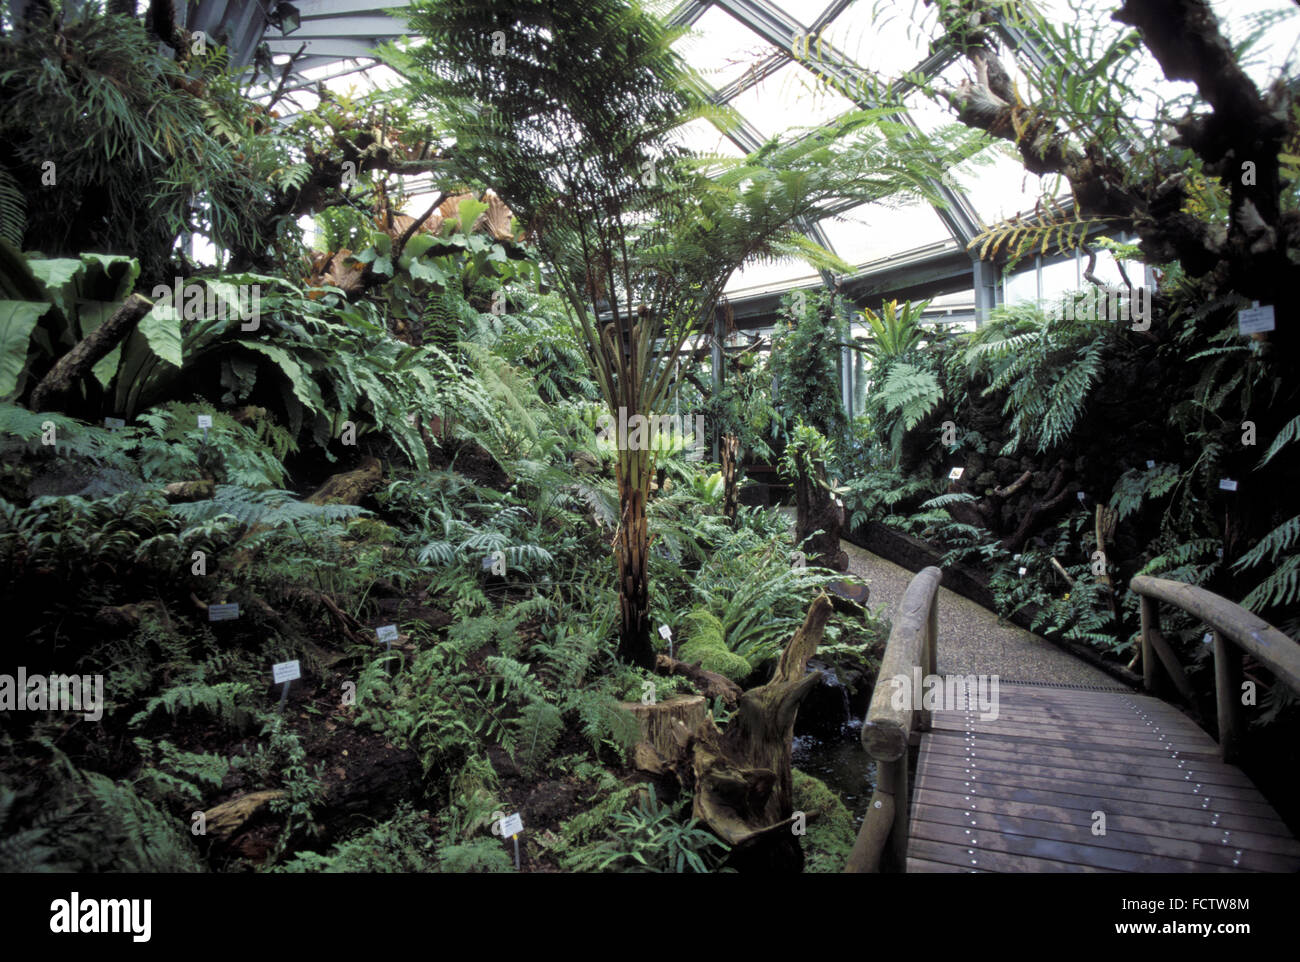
(842, 763)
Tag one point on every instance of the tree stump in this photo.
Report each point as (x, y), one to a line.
(743, 781)
(666, 728)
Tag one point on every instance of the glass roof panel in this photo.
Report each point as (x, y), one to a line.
(702, 137)
(882, 36)
(768, 276)
(872, 231)
(721, 48)
(789, 100)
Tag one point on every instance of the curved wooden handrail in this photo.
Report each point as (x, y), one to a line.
(888, 728)
(1245, 629)
(1231, 623)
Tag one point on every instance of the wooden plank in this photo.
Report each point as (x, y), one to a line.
(922, 866)
(1100, 758)
(1116, 794)
(1056, 850)
(1170, 780)
(1078, 828)
(991, 861)
(1228, 819)
(1062, 759)
(1208, 834)
(1049, 735)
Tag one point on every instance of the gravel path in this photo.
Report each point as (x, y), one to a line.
(971, 640)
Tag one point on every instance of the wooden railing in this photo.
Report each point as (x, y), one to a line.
(888, 731)
(1231, 623)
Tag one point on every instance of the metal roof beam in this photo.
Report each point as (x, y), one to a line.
(336, 49)
(350, 28)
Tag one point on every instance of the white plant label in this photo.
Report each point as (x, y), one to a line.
(1207, 638)
(223, 612)
(1151, 464)
(665, 633)
(1081, 496)
(387, 633)
(1227, 484)
(114, 423)
(1256, 320)
(956, 473)
(512, 825)
(1022, 571)
(205, 421)
(286, 671)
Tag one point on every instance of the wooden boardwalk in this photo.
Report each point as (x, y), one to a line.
(1021, 793)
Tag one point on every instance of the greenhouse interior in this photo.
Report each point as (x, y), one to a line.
(649, 436)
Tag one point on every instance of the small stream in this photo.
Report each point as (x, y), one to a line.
(842, 763)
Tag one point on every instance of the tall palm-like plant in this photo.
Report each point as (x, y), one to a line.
(567, 110)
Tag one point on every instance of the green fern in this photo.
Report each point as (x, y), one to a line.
(1282, 586)
(270, 508)
(226, 702)
(13, 209)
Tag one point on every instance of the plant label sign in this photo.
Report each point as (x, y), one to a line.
(286, 671)
(1022, 571)
(114, 423)
(1151, 464)
(665, 633)
(387, 634)
(512, 825)
(223, 612)
(1227, 484)
(956, 473)
(1256, 320)
(205, 421)
(1082, 497)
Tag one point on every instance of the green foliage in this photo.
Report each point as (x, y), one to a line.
(171, 774)
(402, 843)
(706, 644)
(1136, 487)
(804, 362)
(269, 508)
(227, 702)
(649, 837)
(1277, 548)
(1046, 363)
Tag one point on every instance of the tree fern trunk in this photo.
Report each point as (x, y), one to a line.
(816, 510)
(633, 474)
(730, 476)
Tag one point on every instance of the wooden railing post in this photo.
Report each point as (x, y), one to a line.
(1227, 691)
(894, 776)
(1150, 623)
(1235, 631)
